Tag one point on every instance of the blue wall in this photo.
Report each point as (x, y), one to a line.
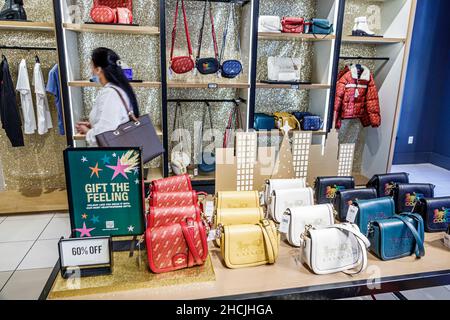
(426, 103)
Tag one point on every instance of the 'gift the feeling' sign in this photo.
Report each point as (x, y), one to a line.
(105, 191)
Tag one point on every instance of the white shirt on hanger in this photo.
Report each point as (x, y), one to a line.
(107, 113)
(44, 118)
(23, 87)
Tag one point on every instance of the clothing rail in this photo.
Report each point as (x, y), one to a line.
(241, 2)
(208, 100)
(28, 48)
(365, 58)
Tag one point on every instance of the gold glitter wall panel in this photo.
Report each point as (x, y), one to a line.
(38, 165)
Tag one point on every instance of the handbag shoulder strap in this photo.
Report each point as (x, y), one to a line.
(213, 31)
(234, 119)
(231, 15)
(420, 249)
(186, 29)
(130, 113)
(188, 233)
(270, 240)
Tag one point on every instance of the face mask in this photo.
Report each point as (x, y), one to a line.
(95, 79)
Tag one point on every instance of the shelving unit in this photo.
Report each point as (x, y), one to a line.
(386, 57)
(105, 28)
(26, 26)
(294, 36)
(293, 86)
(87, 84)
(82, 137)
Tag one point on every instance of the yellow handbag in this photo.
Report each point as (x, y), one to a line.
(248, 245)
(237, 199)
(226, 217)
(282, 117)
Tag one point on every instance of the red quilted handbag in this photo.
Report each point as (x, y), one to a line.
(293, 25)
(172, 184)
(181, 64)
(106, 11)
(163, 216)
(177, 246)
(173, 199)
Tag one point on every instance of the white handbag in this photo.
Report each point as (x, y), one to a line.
(283, 69)
(337, 248)
(269, 24)
(298, 218)
(289, 198)
(279, 184)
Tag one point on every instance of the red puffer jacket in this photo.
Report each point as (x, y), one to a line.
(357, 97)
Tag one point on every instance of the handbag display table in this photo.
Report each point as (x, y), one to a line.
(289, 278)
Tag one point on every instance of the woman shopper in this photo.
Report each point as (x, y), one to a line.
(109, 110)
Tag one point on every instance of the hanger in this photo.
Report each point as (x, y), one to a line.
(37, 59)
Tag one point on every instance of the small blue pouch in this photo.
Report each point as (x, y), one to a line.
(321, 26)
(311, 123)
(264, 122)
(231, 69)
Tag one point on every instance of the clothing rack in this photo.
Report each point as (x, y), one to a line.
(365, 58)
(28, 48)
(208, 100)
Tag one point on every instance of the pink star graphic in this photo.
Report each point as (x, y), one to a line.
(85, 231)
(119, 169)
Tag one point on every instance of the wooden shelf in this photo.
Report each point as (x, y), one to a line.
(104, 28)
(87, 83)
(294, 36)
(261, 85)
(205, 85)
(27, 26)
(82, 137)
(372, 40)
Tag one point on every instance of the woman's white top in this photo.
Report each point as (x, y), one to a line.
(108, 112)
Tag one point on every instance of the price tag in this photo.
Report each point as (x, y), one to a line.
(212, 235)
(285, 222)
(295, 86)
(213, 85)
(85, 252)
(352, 213)
(209, 209)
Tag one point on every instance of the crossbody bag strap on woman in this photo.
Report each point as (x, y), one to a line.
(363, 243)
(213, 31)
(130, 112)
(270, 240)
(420, 249)
(231, 16)
(186, 29)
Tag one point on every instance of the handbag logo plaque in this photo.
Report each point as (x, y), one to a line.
(388, 188)
(332, 190)
(442, 216)
(412, 199)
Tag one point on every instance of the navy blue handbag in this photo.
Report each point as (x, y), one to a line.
(397, 237)
(407, 195)
(435, 213)
(384, 183)
(346, 198)
(373, 210)
(311, 123)
(230, 68)
(301, 115)
(326, 188)
(264, 122)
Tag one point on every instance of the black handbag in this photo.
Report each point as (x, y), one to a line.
(327, 187)
(345, 198)
(407, 195)
(384, 183)
(435, 212)
(207, 65)
(138, 132)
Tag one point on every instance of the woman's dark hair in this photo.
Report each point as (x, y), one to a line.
(107, 60)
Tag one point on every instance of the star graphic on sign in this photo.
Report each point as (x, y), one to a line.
(84, 216)
(130, 228)
(136, 181)
(84, 159)
(106, 159)
(95, 219)
(136, 170)
(95, 170)
(85, 231)
(114, 155)
(119, 169)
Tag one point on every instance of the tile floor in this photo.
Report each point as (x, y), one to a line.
(28, 245)
(28, 252)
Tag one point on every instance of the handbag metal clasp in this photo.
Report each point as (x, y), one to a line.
(116, 133)
(137, 123)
